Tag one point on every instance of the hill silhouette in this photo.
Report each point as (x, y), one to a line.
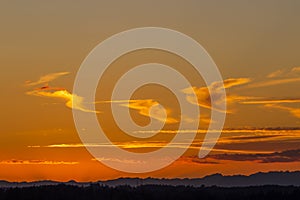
(257, 179)
(149, 192)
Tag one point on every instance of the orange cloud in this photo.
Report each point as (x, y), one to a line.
(274, 82)
(292, 155)
(278, 77)
(231, 82)
(196, 160)
(151, 108)
(284, 73)
(46, 79)
(72, 101)
(265, 131)
(271, 101)
(293, 111)
(203, 96)
(296, 69)
(128, 161)
(35, 162)
(275, 74)
(229, 136)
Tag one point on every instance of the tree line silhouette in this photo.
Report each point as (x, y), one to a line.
(149, 192)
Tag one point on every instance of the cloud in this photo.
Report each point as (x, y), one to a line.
(271, 101)
(281, 73)
(282, 156)
(151, 108)
(72, 101)
(146, 107)
(197, 160)
(281, 131)
(274, 82)
(229, 138)
(296, 69)
(46, 79)
(231, 82)
(294, 111)
(278, 77)
(203, 96)
(35, 162)
(275, 73)
(127, 161)
(124, 145)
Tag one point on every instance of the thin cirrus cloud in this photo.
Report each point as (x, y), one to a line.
(196, 160)
(281, 131)
(46, 78)
(296, 69)
(124, 145)
(276, 73)
(294, 111)
(230, 146)
(271, 101)
(284, 73)
(72, 100)
(274, 82)
(274, 157)
(128, 161)
(151, 108)
(230, 137)
(147, 107)
(278, 77)
(203, 96)
(35, 162)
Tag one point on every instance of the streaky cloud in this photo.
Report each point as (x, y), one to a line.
(294, 111)
(273, 82)
(73, 101)
(35, 162)
(203, 97)
(46, 78)
(271, 101)
(274, 157)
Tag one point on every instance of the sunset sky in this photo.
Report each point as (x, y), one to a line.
(255, 45)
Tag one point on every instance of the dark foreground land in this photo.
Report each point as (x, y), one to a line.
(147, 192)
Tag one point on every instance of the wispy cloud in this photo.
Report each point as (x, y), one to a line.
(196, 160)
(276, 73)
(231, 82)
(46, 79)
(35, 162)
(282, 156)
(271, 101)
(227, 140)
(124, 145)
(284, 73)
(203, 96)
(296, 69)
(128, 161)
(147, 107)
(278, 77)
(229, 131)
(294, 111)
(274, 82)
(153, 109)
(72, 100)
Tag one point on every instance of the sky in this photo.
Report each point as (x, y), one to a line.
(253, 43)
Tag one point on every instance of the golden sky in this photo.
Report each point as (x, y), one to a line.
(254, 44)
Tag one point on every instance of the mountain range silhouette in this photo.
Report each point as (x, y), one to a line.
(281, 178)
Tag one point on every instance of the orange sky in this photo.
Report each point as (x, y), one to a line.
(255, 46)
